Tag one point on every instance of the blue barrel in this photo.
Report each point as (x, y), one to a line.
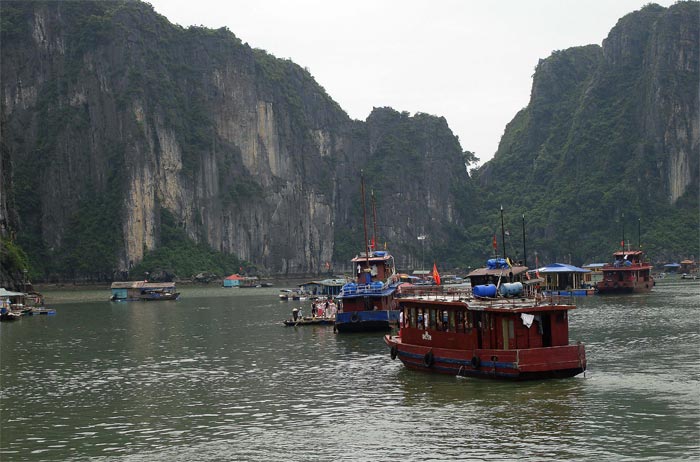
(511, 289)
(485, 290)
(349, 288)
(376, 286)
(491, 263)
(380, 253)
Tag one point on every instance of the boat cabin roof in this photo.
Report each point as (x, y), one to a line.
(375, 256)
(629, 253)
(496, 306)
(142, 285)
(498, 271)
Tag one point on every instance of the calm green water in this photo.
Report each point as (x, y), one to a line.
(214, 376)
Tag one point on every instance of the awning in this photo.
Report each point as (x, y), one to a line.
(560, 268)
(8, 293)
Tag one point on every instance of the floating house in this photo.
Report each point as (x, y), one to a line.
(142, 290)
(688, 267)
(563, 279)
(595, 275)
(325, 287)
(234, 280)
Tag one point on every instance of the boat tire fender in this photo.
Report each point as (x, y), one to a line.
(476, 362)
(429, 359)
(354, 317)
(394, 352)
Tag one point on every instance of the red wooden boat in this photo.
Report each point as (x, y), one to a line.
(627, 274)
(450, 331)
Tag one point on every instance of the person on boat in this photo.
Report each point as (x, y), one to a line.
(295, 314)
(313, 310)
(301, 314)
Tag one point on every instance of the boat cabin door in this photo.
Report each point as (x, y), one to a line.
(546, 330)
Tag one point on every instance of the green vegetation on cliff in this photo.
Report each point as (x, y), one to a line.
(177, 254)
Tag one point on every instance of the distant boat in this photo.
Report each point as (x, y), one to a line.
(518, 336)
(628, 273)
(143, 291)
(368, 303)
(292, 294)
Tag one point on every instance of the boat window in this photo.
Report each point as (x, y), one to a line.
(421, 320)
(452, 327)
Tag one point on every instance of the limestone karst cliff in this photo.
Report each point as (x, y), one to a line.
(610, 130)
(122, 114)
(121, 130)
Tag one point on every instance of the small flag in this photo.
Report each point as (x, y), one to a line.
(622, 244)
(436, 275)
(495, 242)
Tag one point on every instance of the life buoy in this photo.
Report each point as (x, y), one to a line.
(476, 362)
(354, 317)
(394, 352)
(429, 359)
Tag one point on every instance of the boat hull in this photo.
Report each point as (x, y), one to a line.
(524, 364)
(367, 321)
(155, 297)
(608, 288)
(569, 292)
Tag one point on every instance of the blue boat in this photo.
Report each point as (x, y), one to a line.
(369, 304)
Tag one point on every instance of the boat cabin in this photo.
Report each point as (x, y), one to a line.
(139, 290)
(496, 327)
(377, 266)
(497, 270)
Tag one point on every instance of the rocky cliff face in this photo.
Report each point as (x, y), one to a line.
(125, 114)
(609, 130)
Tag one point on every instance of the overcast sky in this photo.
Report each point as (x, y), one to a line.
(471, 62)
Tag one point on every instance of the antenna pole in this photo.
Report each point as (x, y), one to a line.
(524, 248)
(639, 232)
(503, 234)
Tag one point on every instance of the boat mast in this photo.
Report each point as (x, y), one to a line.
(623, 232)
(503, 234)
(374, 220)
(364, 216)
(524, 248)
